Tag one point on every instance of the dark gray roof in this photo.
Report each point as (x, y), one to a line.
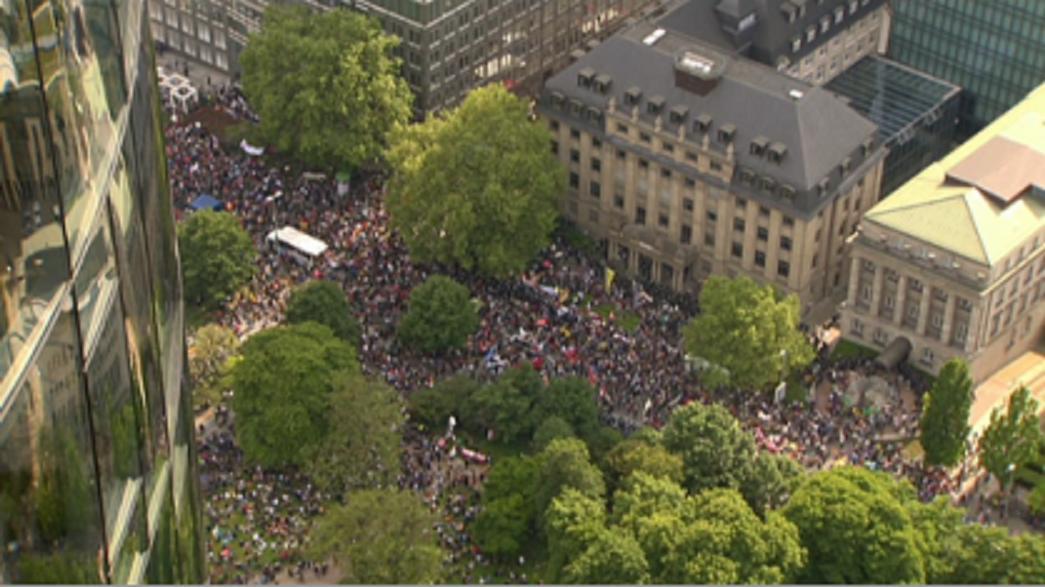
(818, 129)
(771, 34)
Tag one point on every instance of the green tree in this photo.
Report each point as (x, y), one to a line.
(477, 187)
(729, 543)
(324, 302)
(326, 86)
(572, 399)
(635, 455)
(508, 516)
(975, 554)
(433, 407)
(550, 429)
(573, 521)
(770, 481)
(611, 558)
(212, 352)
(363, 448)
(743, 328)
(644, 496)
(283, 387)
(504, 405)
(856, 529)
(945, 415)
(1011, 439)
(217, 257)
(441, 316)
(715, 450)
(565, 463)
(380, 536)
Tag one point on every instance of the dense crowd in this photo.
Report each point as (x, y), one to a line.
(546, 318)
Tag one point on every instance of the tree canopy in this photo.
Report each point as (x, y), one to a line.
(210, 357)
(1012, 438)
(363, 448)
(324, 302)
(440, 316)
(380, 536)
(283, 387)
(326, 86)
(945, 415)
(856, 529)
(478, 186)
(715, 450)
(217, 257)
(745, 330)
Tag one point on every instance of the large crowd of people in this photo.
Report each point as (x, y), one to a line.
(547, 318)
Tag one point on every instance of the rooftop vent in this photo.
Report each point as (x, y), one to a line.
(698, 72)
(652, 38)
(795, 94)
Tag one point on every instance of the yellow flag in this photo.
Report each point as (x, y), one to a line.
(610, 274)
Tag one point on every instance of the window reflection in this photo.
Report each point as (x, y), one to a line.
(49, 519)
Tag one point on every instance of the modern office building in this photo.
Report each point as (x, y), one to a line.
(686, 162)
(916, 114)
(812, 40)
(448, 47)
(994, 50)
(98, 476)
(953, 263)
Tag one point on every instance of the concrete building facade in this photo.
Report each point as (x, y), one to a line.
(685, 162)
(953, 262)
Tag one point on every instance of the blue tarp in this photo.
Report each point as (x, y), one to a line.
(207, 202)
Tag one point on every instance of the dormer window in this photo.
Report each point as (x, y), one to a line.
(865, 148)
(558, 100)
(821, 188)
(726, 133)
(776, 152)
(796, 43)
(678, 114)
(789, 10)
(825, 23)
(633, 96)
(745, 176)
(594, 114)
(853, 5)
(766, 183)
(839, 14)
(603, 83)
(758, 146)
(810, 33)
(787, 192)
(576, 107)
(702, 123)
(655, 105)
(585, 77)
(846, 166)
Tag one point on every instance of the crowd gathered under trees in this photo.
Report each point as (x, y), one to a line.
(460, 382)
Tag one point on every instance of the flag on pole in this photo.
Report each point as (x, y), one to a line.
(610, 274)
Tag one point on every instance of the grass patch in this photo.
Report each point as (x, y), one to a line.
(627, 320)
(847, 349)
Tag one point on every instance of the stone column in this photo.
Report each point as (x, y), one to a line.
(901, 297)
(876, 289)
(923, 309)
(854, 281)
(948, 319)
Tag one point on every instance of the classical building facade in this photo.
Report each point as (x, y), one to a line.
(811, 40)
(98, 476)
(994, 50)
(953, 263)
(686, 162)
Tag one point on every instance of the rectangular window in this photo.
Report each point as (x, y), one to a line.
(554, 125)
(687, 204)
(596, 164)
(763, 234)
(621, 154)
(640, 215)
(785, 243)
(595, 189)
(716, 166)
(788, 221)
(712, 216)
(645, 137)
(555, 147)
(596, 142)
(618, 201)
(575, 180)
(686, 234)
(662, 220)
(575, 156)
(691, 183)
(643, 164)
(665, 172)
(737, 250)
(738, 224)
(709, 238)
(622, 128)
(783, 268)
(760, 258)
(575, 134)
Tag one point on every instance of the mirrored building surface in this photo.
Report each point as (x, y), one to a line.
(97, 470)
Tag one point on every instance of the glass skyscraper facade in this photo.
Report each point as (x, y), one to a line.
(97, 464)
(994, 49)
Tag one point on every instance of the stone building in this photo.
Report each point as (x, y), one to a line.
(952, 263)
(811, 40)
(686, 162)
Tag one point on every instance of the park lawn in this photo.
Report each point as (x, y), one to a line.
(628, 321)
(847, 349)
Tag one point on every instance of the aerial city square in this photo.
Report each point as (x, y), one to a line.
(522, 291)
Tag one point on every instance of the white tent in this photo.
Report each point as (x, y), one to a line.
(305, 247)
